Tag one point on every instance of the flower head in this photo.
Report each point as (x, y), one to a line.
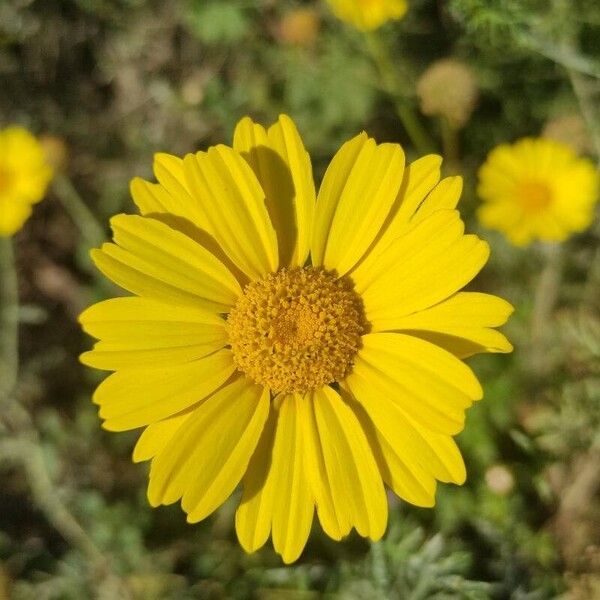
(24, 177)
(537, 189)
(367, 15)
(306, 347)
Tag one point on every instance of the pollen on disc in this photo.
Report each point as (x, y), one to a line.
(297, 329)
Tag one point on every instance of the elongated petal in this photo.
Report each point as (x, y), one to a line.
(152, 260)
(362, 203)
(444, 196)
(408, 480)
(335, 524)
(283, 168)
(235, 207)
(171, 196)
(467, 316)
(419, 179)
(206, 462)
(419, 448)
(331, 189)
(293, 512)
(434, 250)
(157, 435)
(356, 485)
(276, 495)
(430, 385)
(135, 397)
(254, 515)
(140, 332)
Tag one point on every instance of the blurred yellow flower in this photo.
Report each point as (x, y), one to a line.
(537, 189)
(305, 346)
(367, 15)
(299, 27)
(24, 177)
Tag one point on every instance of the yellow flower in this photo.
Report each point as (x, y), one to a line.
(367, 15)
(24, 177)
(307, 347)
(537, 189)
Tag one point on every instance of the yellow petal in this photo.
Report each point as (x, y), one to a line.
(409, 481)
(283, 168)
(362, 202)
(12, 215)
(444, 196)
(136, 397)
(139, 332)
(154, 199)
(331, 189)
(276, 491)
(431, 262)
(419, 448)
(206, 461)
(356, 485)
(429, 384)
(293, 513)
(254, 515)
(335, 525)
(157, 435)
(152, 260)
(234, 203)
(420, 177)
(466, 315)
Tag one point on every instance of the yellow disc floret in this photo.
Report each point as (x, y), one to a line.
(297, 329)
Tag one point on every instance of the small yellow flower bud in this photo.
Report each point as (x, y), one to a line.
(448, 89)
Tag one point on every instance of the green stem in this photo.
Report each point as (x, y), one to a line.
(450, 145)
(394, 86)
(9, 320)
(92, 232)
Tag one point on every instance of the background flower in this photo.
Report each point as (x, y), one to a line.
(368, 14)
(24, 177)
(537, 189)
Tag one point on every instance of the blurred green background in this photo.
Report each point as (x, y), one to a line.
(113, 81)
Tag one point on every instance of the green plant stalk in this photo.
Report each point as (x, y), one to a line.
(9, 320)
(450, 144)
(92, 232)
(393, 86)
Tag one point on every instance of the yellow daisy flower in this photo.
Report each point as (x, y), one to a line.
(24, 177)
(367, 15)
(307, 347)
(537, 189)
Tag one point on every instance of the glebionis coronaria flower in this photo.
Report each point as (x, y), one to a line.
(537, 189)
(367, 15)
(24, 177)
(304, 347)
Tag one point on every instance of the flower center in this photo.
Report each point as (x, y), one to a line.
(534, 195)
(297, 329)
